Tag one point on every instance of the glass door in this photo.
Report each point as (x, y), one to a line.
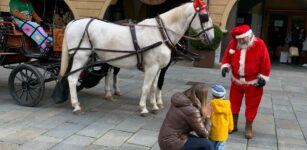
(277, 31)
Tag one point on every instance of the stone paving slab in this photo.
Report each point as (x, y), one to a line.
(74, 142)
(281, 123)
(40, 143)
(23, 136)
(131, 124)
(132, 147)
(113, 138)
(96, 129)
(64, 130)
(144, 137)
(8, 146)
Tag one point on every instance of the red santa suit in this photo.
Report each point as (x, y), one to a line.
(246, 65)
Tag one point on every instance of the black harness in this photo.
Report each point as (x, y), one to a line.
(137, 48)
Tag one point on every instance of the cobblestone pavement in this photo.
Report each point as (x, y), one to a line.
(281, 122)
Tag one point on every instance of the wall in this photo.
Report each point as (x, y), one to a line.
(4, 5)
(219, 11)
(88, 8)
(286, 4)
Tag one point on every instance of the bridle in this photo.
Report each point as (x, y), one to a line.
(203, 17)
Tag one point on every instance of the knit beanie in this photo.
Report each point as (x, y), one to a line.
(218, 91)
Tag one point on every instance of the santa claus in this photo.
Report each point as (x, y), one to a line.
(248, 59)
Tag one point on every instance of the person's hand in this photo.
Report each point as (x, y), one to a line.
(261, 82)
(38, 21)
(28, 18)
(224, 71)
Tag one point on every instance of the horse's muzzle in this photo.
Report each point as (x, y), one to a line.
(205, 39)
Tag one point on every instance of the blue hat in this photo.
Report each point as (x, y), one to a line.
(218, 91)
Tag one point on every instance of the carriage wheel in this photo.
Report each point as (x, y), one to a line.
(26, 85)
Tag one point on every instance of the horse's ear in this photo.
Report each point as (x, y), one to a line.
(199, 5)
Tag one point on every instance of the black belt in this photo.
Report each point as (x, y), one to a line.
(248, 76)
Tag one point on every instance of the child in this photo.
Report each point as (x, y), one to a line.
(188, 112)
(221, 117)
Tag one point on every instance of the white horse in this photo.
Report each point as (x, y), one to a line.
(106, 35)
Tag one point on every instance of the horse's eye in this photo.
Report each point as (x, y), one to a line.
(204, 17)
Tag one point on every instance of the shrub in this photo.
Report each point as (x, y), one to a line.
(199, 45)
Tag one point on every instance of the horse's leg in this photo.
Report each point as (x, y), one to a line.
(160, 84)
(108, 95)
(73, 80)
(115, 81)
(150, 74)
(153, 97)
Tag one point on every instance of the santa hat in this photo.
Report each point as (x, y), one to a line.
(241, 31)
(218, 91)
(199, 5)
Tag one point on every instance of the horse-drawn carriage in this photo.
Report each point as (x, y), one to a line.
(30, 71)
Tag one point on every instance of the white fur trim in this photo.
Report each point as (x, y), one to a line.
(242, 64)
(251, 42)
(252, 82)
(231, 51)
(225, 65)
(266, 78)
(249, 32)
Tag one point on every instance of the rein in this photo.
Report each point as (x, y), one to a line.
(193, 37)
(167, 29)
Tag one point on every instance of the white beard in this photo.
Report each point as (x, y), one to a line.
(247, 45)
(243, 46)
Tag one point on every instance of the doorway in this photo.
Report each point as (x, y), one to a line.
(277, 33)
(281, 27)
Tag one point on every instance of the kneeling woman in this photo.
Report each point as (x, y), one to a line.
(23, 13)
(189, 111)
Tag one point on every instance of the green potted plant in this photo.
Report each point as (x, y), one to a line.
(206, 52)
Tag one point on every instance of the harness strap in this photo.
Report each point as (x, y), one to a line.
(102, 49)
(165, 36)
(137, 48)
(81, 40)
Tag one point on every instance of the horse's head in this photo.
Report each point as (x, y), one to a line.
(201, 22)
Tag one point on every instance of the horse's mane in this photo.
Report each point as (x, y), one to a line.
(175, 14)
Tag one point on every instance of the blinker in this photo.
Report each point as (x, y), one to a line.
(204, 17)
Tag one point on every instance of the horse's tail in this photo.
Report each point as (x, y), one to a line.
(65, 54)
(64, 58)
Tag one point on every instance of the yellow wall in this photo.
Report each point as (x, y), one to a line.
(219, 11)
(4, 5)
(88, 8)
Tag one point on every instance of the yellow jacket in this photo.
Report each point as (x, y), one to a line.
(221, 118)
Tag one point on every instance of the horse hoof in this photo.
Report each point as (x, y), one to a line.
(109, 98)
(78, 112)
(144, 114)
(154, 111)
(161, 106)
(117, 93)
